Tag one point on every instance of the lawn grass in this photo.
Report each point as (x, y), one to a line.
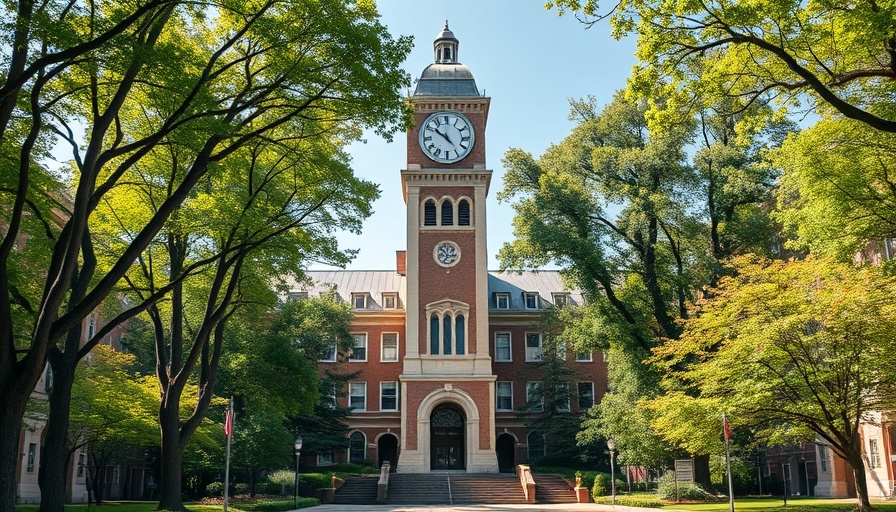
(777, 505)
(127, 507)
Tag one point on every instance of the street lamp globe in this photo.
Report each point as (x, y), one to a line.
(298, 444)
(611, 445)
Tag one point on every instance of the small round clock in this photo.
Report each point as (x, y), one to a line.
(447, 137)
(446, 254)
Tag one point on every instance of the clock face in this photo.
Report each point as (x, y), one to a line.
(446, 137)
(446, 254)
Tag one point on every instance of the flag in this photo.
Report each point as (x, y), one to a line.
(228, 422)
(726, 427)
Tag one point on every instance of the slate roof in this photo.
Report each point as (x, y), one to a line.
(376, 282)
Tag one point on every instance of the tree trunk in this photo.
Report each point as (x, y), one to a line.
(55, 454)
(858, 469)
(171, 459)
(10, 431)
(701, 471)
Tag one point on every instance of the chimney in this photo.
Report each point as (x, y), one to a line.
(401, 262)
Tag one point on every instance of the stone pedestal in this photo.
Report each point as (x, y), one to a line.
(582, 495)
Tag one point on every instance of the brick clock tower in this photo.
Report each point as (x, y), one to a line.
(447, 382)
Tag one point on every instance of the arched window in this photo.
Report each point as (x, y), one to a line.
(434, 334)
(463, 213)
(535, 441)
(460, 329)
(447, 213)
(429, 213)
(357, 449)
(447, 327)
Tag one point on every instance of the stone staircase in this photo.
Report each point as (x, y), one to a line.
(553, 489)
(498, 489)
(418, 489)
(454, 488)
(357, 491)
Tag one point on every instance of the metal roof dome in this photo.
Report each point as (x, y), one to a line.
(447, 76)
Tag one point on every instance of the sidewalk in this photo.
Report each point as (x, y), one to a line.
(572, 507)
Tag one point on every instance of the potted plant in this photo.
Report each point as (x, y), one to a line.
(578, 478)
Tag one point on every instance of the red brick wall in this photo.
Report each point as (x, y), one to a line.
(478, 391)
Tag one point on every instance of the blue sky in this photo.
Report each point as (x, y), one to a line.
(528, 60)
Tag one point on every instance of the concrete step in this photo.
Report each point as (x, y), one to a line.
(357, 491)
(553, 489)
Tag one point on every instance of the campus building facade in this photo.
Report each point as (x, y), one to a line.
(448, 351)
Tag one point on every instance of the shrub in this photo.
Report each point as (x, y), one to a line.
(214, 489)
(686, 491)
(240, 488)
(316, 480)
(350, 469)
(283, 477)
(601, 486)
(270, 487)
(278, 506)
(634, 500)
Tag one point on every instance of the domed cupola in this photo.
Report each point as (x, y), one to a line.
(445, 46)
(446, 77)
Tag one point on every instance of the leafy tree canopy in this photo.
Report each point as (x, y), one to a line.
(837, 56)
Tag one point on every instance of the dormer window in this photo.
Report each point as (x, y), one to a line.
(561, 299)
(359, 300)
(502, 300)
(530, 299)
(390, 301)
(297, 295)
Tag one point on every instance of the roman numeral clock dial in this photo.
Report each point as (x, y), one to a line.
(446, 137)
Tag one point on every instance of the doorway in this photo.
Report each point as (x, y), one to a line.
(387, 450)
(505, 446)
(447, 443)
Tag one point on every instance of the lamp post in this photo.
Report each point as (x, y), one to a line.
(295, 489)
(611, 445)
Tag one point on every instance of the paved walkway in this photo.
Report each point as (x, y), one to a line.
(571, 507)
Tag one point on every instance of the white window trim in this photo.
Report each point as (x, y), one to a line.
(579, 395)
(536, 408)
(397, 396)
(496, 395)
(335, 355)
(357, 409)
(498, 296)
(565, 299)
(393, 296)
(540, 345)
(589, 360)
(383, 348)
(509, 347)
(526, 296)
(359, 295)
(351, 355)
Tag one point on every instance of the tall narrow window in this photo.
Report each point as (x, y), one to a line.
(390, 347)
(823, 457)
(561, 400)
(357, 396)
(32, 456)
(463, 213)
(533, 347)
(446, 335)
(459, 335)
(429, 213)
(504, 395)
(447, 213)
(873, 453)
(502, 347)
(357, 449)
(534, 396)
(586, 395)
(359, 352)
(388, 396)
(434, 334)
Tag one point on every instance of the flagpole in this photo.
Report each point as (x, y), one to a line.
(228, 430)
(726, 433)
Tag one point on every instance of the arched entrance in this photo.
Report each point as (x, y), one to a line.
(387, 450)
(505, 446)
(447, 446)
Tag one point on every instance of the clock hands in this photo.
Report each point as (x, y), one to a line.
(444, 136)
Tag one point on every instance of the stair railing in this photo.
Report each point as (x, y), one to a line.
(527, 482)
(382, 486)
